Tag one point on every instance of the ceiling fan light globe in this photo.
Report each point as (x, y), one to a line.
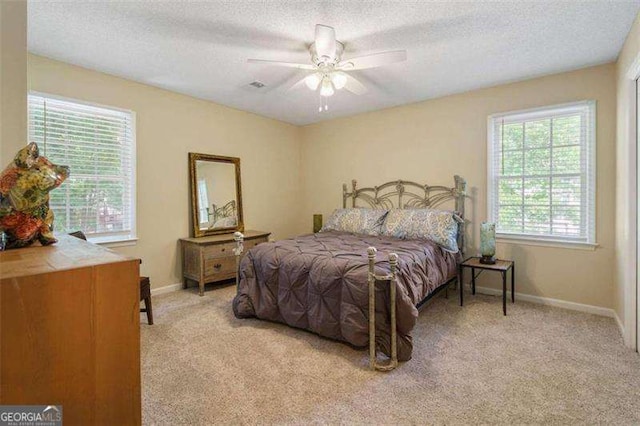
(313, 81)
(339, 79)
(327, 88)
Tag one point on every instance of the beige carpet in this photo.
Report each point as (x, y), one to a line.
(201, 365)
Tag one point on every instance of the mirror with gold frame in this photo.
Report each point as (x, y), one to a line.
(216, 195)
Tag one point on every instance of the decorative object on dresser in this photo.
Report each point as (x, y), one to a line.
(488, 243)
(212, 259)
(216, 194)
(70, 331)
(324, 276)
(499, 265)
(24, 198)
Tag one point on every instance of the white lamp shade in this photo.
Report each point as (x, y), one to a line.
(313, 80)
(327, 88)
(339, 79)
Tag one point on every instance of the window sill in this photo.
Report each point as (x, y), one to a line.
(113, 242)
(543, 242)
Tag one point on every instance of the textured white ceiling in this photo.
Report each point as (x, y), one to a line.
(201, 48)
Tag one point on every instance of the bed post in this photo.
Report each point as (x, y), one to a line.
(460, 194)
(393, 263)
(371, 251)
(372, 277)
(345, 194)
(354, 183)
(239, 239)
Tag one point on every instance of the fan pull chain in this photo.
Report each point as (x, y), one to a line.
(323, 103)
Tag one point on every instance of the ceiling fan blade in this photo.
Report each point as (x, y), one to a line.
(311, 81)
(354, 86)
(325, 41)
(282, 64)
(372, 61)
(298, 84)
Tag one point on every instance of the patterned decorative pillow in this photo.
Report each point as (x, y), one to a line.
(439, 226)
(358, 221)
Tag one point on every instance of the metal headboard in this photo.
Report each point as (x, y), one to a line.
(402, 194)
(227, 210)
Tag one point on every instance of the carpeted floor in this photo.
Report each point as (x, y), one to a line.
(201, 365)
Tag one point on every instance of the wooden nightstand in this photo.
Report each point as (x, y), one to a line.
(211, 259)
(501, 266)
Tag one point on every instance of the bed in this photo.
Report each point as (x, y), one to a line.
(332, 282)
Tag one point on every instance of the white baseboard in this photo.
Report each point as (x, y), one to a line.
(597, 310)
(619, 322)
(166, 289)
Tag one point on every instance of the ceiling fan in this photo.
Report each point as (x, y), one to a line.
(330, 71)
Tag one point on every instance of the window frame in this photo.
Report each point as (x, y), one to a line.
(117, 239)
(589, 242)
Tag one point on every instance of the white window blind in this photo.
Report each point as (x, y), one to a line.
(542, 173)
(98, 144)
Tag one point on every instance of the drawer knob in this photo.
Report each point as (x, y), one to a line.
(223, 249)
(217, 266)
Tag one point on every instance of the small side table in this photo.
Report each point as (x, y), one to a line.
(502, 266)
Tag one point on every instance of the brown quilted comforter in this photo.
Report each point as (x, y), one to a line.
(318, 282)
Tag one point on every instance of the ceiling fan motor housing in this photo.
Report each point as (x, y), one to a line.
(324, 60)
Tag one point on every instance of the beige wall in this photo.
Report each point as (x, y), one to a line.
(625, 297)
(169, 126)
(433, 140)
(13, 78)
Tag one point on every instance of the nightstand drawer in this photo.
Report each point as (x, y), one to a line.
(220, 267)
(218, 250)
(253, 242)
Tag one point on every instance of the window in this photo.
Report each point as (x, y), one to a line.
(203, 202)
(98, 144)
(542, 173)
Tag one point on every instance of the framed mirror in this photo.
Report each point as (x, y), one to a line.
(216, 195)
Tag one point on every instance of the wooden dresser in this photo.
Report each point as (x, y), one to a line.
(211, 259)
(70, 327)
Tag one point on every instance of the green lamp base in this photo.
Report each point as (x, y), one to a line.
(488, 260)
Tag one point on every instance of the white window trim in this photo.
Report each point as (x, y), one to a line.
(536, 240)
(542, 240)
(114, 242)
(122, 239)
